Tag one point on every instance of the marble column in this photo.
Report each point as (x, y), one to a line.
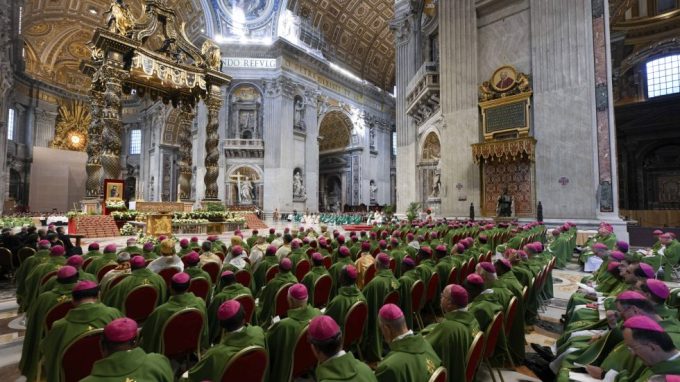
(312, 151)
(460, 128)
(212, 155)
(186, 119)
(406, 29)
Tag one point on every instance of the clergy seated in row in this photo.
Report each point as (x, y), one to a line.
(342, 259)
(285, 248)
(207, 254)
(266, 299)
(297, 254)
(88, 314)
(260, 269)
(108, 257)
(363, 262)
(318, 269)
(131, 247)
(406, 281)
(452, 337)
(236, 260)
(124, 360)
(411, 358)
(75, 261)
(149, 252)
(184, 248)
(283, 334)
(230, 290)
(257, 251)
(335, 364)
(375, 291)
(139, 275)
(605, 235)
(92, 251)
(348, 295)
(238, 335)
(664, 255)
(180, 299)
(122, 269)
(168, 258)
(193, 269)
(35, 276)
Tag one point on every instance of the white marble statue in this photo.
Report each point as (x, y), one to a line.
(298, 185)
(374, 190)
(246, 191)
(299, 119)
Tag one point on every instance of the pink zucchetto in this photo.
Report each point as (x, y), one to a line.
(84, 285)
(194, 239)
(111, 248)
(487, 266)
(351, 271)
(236, 250)
(459, 296)
(599, 247)
(57, 250)
(121, 330)
(184, 243)
(612, 266)
(228, 309)
(181, 278)
(365, 246)
(148, 247)
(390, 312)
(383, 259)
(192, 258)
(286, 264)
(474, 279)
(298, 292)
(323, 328)
(630, 295)
(657, 232)
(617, 255)
(506, 262)
(658, 288)
(137, 262)
(643, 323)
(75, 261)
(409, 262)
(271, 250)
(647, 270)
(66, 272)
(316, 256)
(92, 247)
(344, 251)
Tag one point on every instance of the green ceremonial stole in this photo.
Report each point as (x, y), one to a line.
(339, 306)
(451, 338)
(267, 296)
(212, 364)
(283, 336)
(89, 254)
(228, 293)
(116, 296)
(410, 359)
(375, 291)
(131, 365)
(35, 327)
(35, 277)
(344, 368)
(311, 277)
(76, 322)
(152, 332)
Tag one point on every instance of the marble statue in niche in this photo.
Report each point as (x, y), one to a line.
(246, 191)
(371, 134)
(298, 184)
(299, 117)
(373, 188)
(245, 107)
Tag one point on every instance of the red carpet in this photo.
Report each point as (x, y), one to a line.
(357, 227)
(253, 222)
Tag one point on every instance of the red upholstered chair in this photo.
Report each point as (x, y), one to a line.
(140, 303)
(391, 298)
(189, 322)
(248, 305)
(302, 268)
(309, 251)
(439, 375)
(417, 294)
(200, 287)
(303, 358)
(271, 272)
(220, 255)
(327, 262)
(167, 274)
(104, 270)
(432, 289)
(57, 312)
(369, 274)
(213, 269)
(87, 262)
(474, 357)
(249, 364)
(47, 277)
(243, 277)
(80, 355)
(491, 336)
(322, 290)
(453, 277)
(393, 265)
(355, 321)
(117, 280)
(281, 301)
(24, 253)
(510, 314)
(525, 292)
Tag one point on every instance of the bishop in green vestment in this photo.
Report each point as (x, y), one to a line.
(109, 257)
(230, 291)
(260, 272)
(76, 261)
(152, 332)
(88, 314)
(237, 336)
(282, 336)
(92, 251)
(451, 338)
(484, 306)
(267, 296)
(406, 281)
(124, 361)
(348, 295)
(25, 269)
(35, 277)
(375, 291)
(131, 247)
(334, 365)
(35, 327)
(343, 259)
(411, 358)
(318, 270)
(140, 275)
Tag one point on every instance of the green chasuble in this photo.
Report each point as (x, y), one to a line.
(116, 296)
(98, 263)
(344, 368)
(133, 250)
(25, 269)
(260, 273)
(335, 270)
(451, 340)
(444, 267)
(516, 340)
(283, 336)
(411, 359)
(668, 367)
(406, 282)
(671, 257)
(560, 248)
(340, 304)
(484, 307)
(89, 254)
(77, 321)
(375, 291)
(35, 327)
(267, 296)
(228, 293)
(52, 282)
(132, 365)
(310, 278)
(152, 331)
(212, 364)
(53, 263)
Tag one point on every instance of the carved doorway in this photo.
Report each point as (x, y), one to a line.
(518, 176)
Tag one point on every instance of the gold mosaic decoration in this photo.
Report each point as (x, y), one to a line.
(71, 130)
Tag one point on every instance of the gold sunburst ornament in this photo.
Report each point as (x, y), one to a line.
(71, 130)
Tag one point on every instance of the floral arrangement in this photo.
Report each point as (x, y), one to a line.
(125, 215)
(128, 230)
(116, 205)
(75, 213)
(10, 222)
(189, 221)
(143, 239)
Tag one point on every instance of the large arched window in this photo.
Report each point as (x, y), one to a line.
(663, 76)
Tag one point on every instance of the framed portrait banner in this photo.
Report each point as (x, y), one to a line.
(505, 104)
(113, 194)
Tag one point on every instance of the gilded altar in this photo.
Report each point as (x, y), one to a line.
(159, 224)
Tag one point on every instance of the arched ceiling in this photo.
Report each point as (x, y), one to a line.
(56, 34)
(358, 35)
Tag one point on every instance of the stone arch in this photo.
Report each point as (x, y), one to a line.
(430, 148)
(171, 129)
(237, 174)
(335, 131)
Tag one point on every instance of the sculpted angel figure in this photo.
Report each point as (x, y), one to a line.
(120, 19)
(485, 91)
(212, 55)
